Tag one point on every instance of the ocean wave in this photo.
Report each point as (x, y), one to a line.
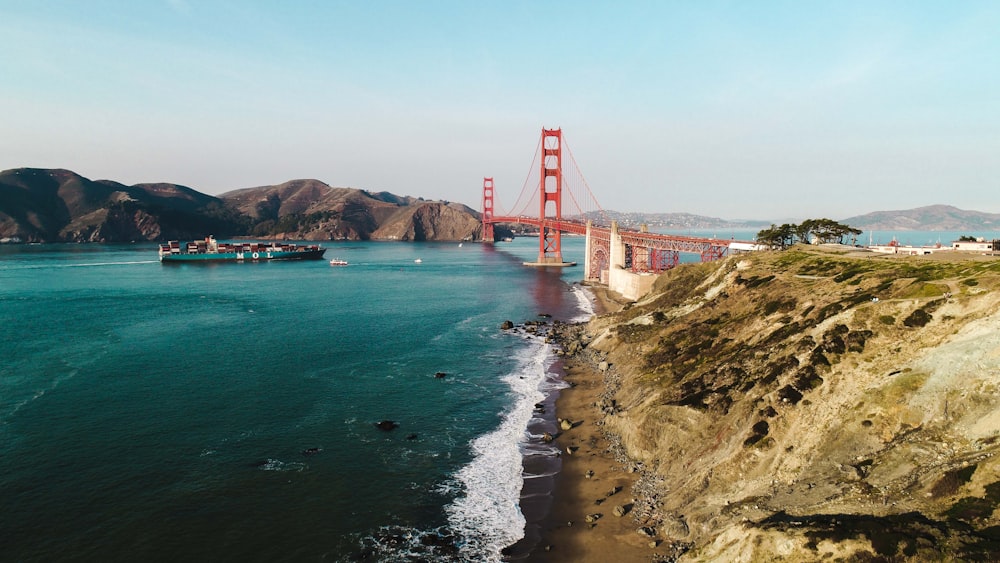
(37, 394)
(278, 465)
(399, 543)
(487, 516)
(586, 305)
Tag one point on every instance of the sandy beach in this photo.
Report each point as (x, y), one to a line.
(582, 524)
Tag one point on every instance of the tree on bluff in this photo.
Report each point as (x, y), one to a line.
(823, 230)
(777, 237)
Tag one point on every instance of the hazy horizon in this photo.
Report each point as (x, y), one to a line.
(719, 109)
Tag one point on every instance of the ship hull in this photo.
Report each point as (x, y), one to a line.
(245, 256)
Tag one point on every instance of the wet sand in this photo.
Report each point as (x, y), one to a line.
(565, 533)
(590, 482)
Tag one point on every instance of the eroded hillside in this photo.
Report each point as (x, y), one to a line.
(41, 205)
(813, 405)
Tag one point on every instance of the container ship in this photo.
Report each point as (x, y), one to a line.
(210, 250)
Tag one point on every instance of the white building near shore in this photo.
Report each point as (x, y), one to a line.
(978, 245)
(895, 248)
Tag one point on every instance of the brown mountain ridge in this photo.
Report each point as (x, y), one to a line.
(56, 205)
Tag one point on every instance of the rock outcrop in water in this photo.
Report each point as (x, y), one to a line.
(809, 405)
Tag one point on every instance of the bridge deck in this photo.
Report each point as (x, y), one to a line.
(653, 241)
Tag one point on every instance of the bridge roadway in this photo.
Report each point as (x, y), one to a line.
(624, 260)
(708, 248)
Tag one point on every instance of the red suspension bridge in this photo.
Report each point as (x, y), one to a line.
(609, 250)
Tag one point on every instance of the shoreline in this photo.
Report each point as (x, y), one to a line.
(576, 519)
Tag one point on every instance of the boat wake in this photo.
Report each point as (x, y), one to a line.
(35, 395)
(83, 265)
(110, 263)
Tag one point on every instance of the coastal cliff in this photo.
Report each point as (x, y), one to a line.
(809, 404)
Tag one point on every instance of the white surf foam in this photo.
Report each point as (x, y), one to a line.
(488, 517)
(585, 304)
(278, 465)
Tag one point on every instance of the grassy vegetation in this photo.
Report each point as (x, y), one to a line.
(924, 290)
(797, 328)
(952, 481)
(678, 285)
(974, 508)
(757, 336)
(902, 385)
(783, 304)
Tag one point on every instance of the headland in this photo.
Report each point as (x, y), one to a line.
(805, 404)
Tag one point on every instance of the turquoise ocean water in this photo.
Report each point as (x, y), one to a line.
(153, 412)
(227, 412)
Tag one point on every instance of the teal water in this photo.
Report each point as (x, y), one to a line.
(227, 412)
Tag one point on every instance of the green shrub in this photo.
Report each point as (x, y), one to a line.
(952, 481)
(971, 508)
(917, 318)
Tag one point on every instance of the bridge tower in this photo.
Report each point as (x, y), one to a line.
(488, 210)
(550, 190)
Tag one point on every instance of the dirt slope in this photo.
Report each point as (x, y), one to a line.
(812, 404)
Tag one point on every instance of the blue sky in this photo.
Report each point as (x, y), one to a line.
(753, 109)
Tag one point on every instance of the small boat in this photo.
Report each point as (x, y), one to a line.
(338, 262)
(417, 261)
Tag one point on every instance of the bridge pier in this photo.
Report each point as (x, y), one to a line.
(617, 248)
(550, 191)
(621, 279)
(488, 234)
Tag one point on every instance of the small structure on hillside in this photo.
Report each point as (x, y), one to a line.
(978, 245)
(907, 250)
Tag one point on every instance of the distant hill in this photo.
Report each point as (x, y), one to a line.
(657, 221)
(41, 205)
(55, 205)
(930, 218)
(312, 210)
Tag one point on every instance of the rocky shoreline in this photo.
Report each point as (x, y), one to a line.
(802, 405)
(604, 505)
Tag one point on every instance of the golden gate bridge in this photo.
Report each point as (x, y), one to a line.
(612, 254)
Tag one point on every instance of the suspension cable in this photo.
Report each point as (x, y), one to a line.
(604, 216)
(524, 187)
